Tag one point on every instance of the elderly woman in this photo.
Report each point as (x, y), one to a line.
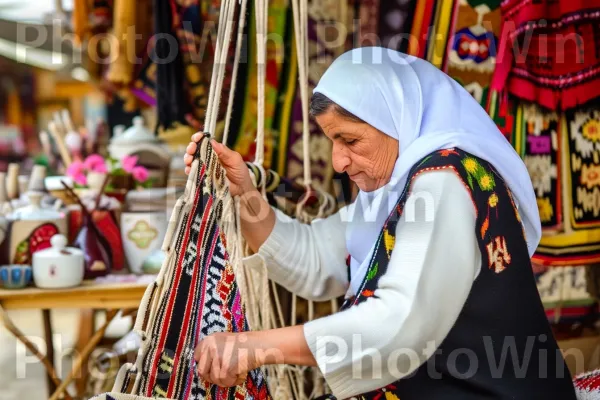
(433, 256)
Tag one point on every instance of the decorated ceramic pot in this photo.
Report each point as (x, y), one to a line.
(15, 276)
(30, 229)
(58, 266)
(142, 233)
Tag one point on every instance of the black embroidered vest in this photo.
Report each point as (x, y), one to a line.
(501, 346)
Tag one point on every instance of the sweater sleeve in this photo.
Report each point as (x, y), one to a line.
(308, 260)
(432, 268)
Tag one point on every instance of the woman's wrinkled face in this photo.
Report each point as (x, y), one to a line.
(366, 154)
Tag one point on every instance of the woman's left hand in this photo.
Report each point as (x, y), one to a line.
(225, 359)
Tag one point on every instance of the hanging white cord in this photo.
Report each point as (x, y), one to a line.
(261, 13)
(236, 64)
(300, 12)
(226, 16)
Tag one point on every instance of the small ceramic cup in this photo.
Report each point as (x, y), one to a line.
(15, 276)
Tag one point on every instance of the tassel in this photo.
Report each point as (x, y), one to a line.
(121, 70)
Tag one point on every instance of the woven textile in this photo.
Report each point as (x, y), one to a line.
(322, 52)
(194, 295)
(539, 136)
(587, 385)
(245, 143)
(576, 240)
(548, 51)
(472, 55)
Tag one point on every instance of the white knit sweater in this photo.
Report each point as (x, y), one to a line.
(430, 274)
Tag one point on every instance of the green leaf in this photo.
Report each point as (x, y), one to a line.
(373, 271)
(425, 160)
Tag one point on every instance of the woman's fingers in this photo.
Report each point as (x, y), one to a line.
(204, 364)
(191, 148)
(187, 170)
(228, 157)
(215, 371)
(197, 136)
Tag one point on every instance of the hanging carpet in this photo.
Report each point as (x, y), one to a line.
(548, 52)
(194, 295)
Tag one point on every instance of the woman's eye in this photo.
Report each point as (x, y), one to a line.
(350, 141)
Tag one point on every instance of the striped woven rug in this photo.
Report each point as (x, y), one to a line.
(194, 295)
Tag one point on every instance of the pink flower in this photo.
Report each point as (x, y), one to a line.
(95, 163)
(77, 172)
(140, 174)
(128, 163)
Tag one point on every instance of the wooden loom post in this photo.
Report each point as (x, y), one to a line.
(10, 326)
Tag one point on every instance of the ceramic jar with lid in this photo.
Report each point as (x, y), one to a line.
(30, 229)
(58, 266)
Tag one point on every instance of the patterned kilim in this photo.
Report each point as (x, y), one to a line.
(472, 51)
(194, 295)
(578, 240)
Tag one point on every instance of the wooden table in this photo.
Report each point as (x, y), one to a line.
(90, 295)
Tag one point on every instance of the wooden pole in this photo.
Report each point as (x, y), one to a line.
(31, 347)
(48, 335)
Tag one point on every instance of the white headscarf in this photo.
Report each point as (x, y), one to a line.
(425, 110)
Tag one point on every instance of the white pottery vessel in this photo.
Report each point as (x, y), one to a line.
(59, 266)
(142, 233)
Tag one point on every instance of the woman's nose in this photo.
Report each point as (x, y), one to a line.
(339, 160)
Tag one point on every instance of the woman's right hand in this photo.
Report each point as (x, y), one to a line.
(237, 172)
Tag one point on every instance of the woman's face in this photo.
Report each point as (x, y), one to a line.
(366, 154)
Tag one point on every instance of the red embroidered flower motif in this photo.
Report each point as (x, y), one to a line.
(447, 152)
(367, 293)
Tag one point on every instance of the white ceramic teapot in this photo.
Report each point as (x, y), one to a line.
(58, 266)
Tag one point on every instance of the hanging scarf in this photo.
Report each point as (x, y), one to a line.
(425, 110)
(547, 53)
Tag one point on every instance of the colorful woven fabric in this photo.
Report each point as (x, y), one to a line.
(319, 13)
(563, 291)
(555, 62)
(472, 53)
(441, 29)
(541, 153)
(194, 295)
(245, 141)
(424, 11)
(587, 385)
(578, 240)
